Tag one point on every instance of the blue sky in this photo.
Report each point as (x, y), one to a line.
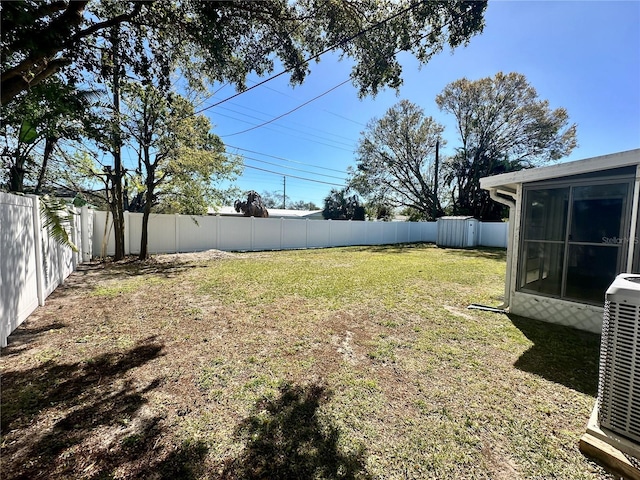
(580, 55)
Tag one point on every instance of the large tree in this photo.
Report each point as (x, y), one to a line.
(503, 126)
(396, 160)
(177, 153)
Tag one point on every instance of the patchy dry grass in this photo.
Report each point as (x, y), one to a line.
(359, 363)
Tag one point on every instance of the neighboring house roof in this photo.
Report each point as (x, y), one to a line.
(273, 213)
(594, 164)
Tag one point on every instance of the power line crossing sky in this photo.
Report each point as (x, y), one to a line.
(580, 55)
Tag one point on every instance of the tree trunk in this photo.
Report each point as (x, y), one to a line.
(118, 203)
(16, 174)
(50, 143)
(144, 238)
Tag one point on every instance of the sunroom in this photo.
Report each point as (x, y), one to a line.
(572, 228)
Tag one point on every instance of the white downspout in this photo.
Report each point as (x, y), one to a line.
(500, 196)
(634, 221)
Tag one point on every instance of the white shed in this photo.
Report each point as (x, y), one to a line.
(459, 232)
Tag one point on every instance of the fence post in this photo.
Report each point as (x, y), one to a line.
(306, 234)
(218, 227)
(281, 232)
(37, 240)
(77, 241)
(252, 233)
(59, 254)
(177, 232)
(127, 233)
(84, 233)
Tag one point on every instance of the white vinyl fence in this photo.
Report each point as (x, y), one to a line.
(32, 265)
(185, 233)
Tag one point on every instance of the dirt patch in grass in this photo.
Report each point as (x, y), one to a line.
(338, 363)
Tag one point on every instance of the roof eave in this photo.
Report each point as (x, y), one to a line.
(588, 165)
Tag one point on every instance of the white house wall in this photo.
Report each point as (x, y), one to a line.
(561, 312)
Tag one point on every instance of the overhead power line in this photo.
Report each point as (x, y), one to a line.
(296, 136)
(317, 55)
(287, 113)
(286, 159)
(295, 176)
(332, 134)
(291, 168)
(314, 98)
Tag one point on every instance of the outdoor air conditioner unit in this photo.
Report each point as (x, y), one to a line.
(619, 382)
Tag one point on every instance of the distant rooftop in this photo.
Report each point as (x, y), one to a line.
(273, 213)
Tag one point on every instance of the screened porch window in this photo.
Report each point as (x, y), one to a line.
(573, 239)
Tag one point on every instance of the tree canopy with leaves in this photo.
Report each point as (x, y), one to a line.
(338, 205)
(395, 160)
(502, 126)
(52, 112)
(225, 41)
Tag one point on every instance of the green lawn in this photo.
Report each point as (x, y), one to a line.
(359, 362)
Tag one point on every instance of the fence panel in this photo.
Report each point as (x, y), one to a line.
(294, 233)
(53, 264)
(103, 237)
(162, 233)
(196, 233)
(389, 233)
(234, 234)
(429, 231)
(402, 232)
(18, 281)
(266, 233)
(319, 234)
(493, 234)
(359, 233)
(374, 233)
(340, 233)
(32, 264)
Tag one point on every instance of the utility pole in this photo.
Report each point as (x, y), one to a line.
(435, 181)
(284, 193)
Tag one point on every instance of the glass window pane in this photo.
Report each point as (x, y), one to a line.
(545, 215)
(596, 213)
(541, 267)
(590, 271)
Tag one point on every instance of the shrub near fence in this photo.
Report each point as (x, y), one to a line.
(32, 265)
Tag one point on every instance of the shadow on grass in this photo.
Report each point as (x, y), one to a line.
(489, 253)
(393, 248)
(286, 440)
(560, 354)
(22, 338)
(92, 420)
